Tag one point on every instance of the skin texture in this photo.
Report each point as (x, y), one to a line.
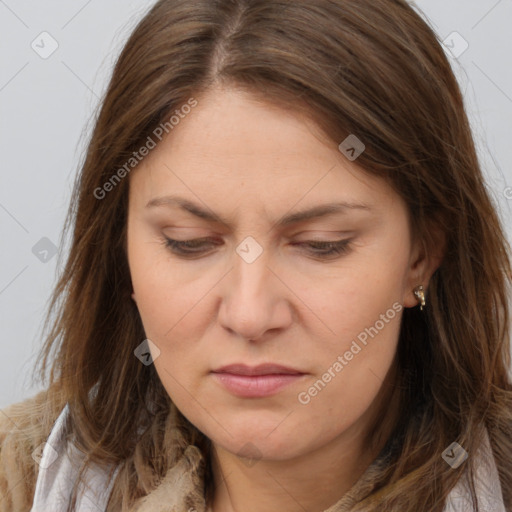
(251, 163)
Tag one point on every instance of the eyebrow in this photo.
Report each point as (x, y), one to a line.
(288, 219)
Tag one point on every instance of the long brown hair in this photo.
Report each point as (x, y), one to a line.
(373, 68)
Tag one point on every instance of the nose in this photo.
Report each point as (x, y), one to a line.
(254, 298)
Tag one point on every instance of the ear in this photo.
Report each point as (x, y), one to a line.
(133, 297)
(426, 257)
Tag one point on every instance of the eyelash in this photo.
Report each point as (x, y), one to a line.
(336, 247)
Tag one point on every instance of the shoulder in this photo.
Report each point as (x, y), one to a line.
(24, 428)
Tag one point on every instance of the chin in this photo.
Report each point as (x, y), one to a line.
(256, 445)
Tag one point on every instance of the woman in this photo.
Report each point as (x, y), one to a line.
(287, 282)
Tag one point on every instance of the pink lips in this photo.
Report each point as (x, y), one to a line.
(258, 381)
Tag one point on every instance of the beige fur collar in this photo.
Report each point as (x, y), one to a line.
(181, 489)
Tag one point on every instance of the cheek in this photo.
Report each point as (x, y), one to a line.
(362, 310)
(171, 312)
(171, 316)
(361, 300)
(172, 301)
(351, 370)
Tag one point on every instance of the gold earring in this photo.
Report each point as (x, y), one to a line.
(420, 295)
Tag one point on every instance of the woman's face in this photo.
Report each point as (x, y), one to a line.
(261, 290)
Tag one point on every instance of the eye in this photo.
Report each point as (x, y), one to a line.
(198, 246)
(188, 248)
(325, 249)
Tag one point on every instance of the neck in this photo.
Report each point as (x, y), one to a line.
(313, 481)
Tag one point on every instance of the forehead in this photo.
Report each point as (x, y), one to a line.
(236, 150)
(229, 124)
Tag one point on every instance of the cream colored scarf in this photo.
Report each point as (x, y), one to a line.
(181, 490)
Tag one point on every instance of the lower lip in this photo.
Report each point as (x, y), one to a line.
(256, 386)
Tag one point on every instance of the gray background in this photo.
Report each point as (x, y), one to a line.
(46, 105)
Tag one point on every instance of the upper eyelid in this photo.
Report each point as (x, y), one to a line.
(332, 234)
(211, 239)
(207, 240)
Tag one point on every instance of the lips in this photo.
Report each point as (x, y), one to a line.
(256, 381)
(262, 369)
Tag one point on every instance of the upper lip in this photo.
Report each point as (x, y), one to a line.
(262, 369)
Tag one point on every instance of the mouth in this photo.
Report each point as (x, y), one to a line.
(256, 381)
(262, 369)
